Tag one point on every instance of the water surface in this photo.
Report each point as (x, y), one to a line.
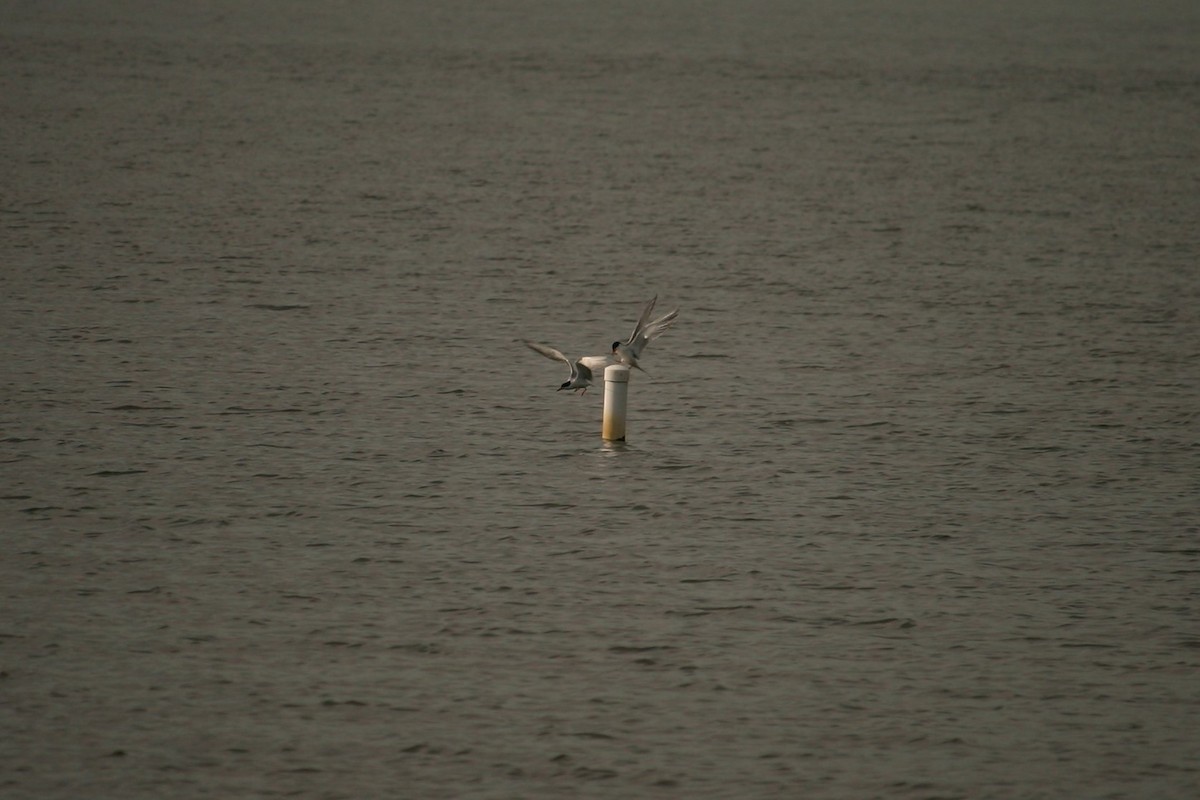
(908, 506)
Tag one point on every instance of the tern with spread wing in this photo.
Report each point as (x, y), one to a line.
(629, 351)
(581, 368)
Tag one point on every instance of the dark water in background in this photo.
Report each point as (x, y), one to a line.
(909, 503)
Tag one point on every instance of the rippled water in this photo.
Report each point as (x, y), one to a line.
(908, 506)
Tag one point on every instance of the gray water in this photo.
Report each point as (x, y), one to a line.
(908, 503)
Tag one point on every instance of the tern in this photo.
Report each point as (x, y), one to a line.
(581, 368)
(629, 351)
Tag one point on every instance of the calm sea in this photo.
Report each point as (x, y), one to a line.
(908, 506)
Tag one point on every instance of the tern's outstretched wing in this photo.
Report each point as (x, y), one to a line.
(650, 331)
(637, 328)
(548, 352)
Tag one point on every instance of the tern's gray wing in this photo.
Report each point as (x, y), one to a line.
(651, 331)
(548, 352)
(580, 370)
(637, 329)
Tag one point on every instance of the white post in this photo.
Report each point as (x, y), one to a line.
(616, 395)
